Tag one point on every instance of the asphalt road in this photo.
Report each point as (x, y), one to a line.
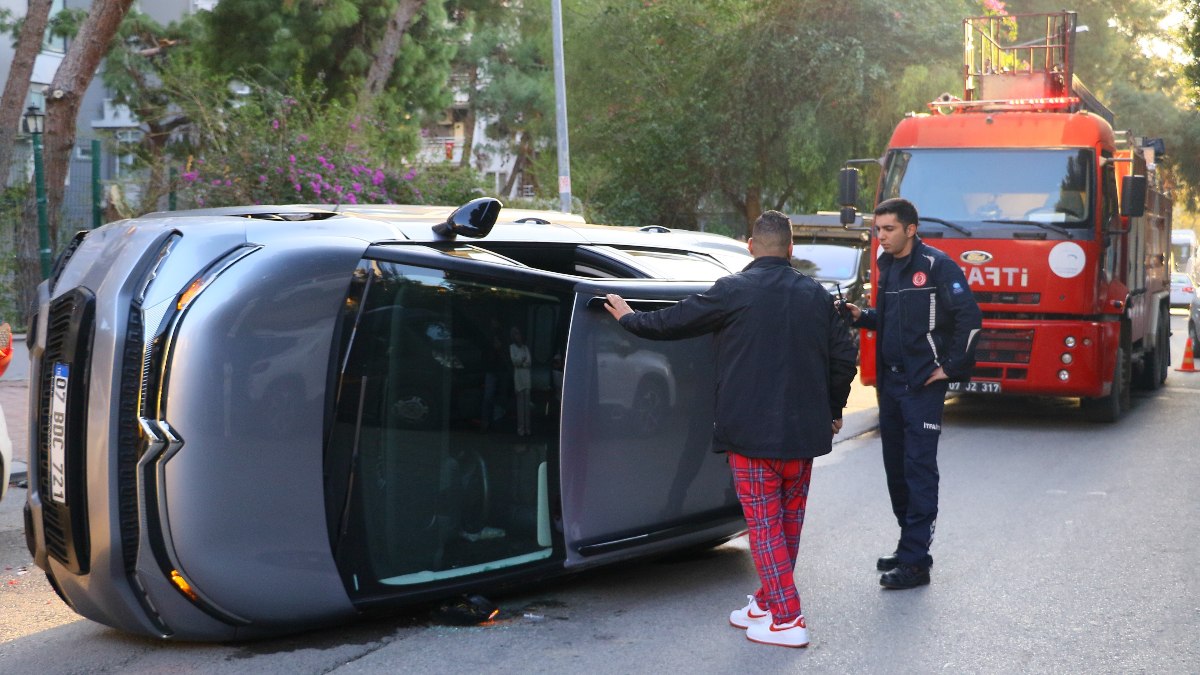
(1062, 546)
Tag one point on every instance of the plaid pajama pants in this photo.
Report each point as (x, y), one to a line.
(773, 494)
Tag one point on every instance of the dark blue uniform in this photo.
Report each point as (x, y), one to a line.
(926, 318)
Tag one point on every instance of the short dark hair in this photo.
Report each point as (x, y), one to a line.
(772, 232)
(903, 209)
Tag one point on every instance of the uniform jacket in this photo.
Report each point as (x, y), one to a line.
(939, 319)
(784, 358)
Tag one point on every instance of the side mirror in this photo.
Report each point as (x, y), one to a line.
(473, 219)
(1133, 196)
(848, 194)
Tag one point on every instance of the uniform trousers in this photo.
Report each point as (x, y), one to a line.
(910, 423)
(773, 494)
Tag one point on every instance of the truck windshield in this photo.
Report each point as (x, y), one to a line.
(994, 190)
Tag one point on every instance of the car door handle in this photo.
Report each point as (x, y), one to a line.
(640, 304)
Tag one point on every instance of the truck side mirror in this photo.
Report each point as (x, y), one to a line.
(848, 194)
(1133, 196)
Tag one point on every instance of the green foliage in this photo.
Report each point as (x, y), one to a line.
(753, 103)
(275, 148)
(333, 42)
(12, 201)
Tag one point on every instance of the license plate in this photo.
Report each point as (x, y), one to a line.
(58, 432)
(976, 387)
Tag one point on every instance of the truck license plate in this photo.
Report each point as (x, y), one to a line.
(976, 387)
(58, 432)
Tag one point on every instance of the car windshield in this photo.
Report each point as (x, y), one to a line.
(425, 479)
(826, 261)
(986, 189)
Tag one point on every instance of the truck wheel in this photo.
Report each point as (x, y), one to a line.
(1109, 408)
(1156, 362)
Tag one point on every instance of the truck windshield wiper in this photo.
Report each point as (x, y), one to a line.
(953, 226)
(1045, 226)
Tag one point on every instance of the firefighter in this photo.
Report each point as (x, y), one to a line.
(927, 321)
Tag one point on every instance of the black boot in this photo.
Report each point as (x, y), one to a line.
(905, 576)
(887, 563)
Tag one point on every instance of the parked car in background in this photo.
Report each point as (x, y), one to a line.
(1182, 290)
(834, 254)
(257, 420)
(1194, 320)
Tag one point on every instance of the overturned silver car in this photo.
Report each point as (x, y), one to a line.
(259, 420)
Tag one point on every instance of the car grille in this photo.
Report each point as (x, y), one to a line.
(68, 341)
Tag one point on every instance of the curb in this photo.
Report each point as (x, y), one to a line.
(857, 423)
(19, 472)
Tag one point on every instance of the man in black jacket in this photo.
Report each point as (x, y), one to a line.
(785, 361)
(926, 322)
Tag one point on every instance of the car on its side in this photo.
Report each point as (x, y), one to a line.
(250, 421)
(1182, 290)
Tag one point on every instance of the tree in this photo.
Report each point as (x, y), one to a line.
(66, 91)
(27, 272)
(356, 48)
(16, 88)
(737, 105)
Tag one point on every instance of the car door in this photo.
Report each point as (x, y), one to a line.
(427, 484)
(640, 477)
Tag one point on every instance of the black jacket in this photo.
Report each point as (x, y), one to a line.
(784, 358)
(939, 319)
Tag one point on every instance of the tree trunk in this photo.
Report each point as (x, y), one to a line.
(65, 95)
(469, 121)
(517, 168)
(752, 208)
(29, 44)
(386, 53)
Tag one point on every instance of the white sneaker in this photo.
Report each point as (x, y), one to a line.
(791, 634)
(749, 615)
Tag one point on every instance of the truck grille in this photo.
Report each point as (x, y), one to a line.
(1001, 345)
(1007, 298)
(69, 342)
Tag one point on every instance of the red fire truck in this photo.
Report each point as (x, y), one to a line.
(1058, 221)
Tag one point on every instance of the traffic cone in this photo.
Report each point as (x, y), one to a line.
(1189, 363)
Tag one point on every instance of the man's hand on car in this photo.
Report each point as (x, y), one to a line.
(617, 306)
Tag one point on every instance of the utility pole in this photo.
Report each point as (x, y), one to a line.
(560, 109)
